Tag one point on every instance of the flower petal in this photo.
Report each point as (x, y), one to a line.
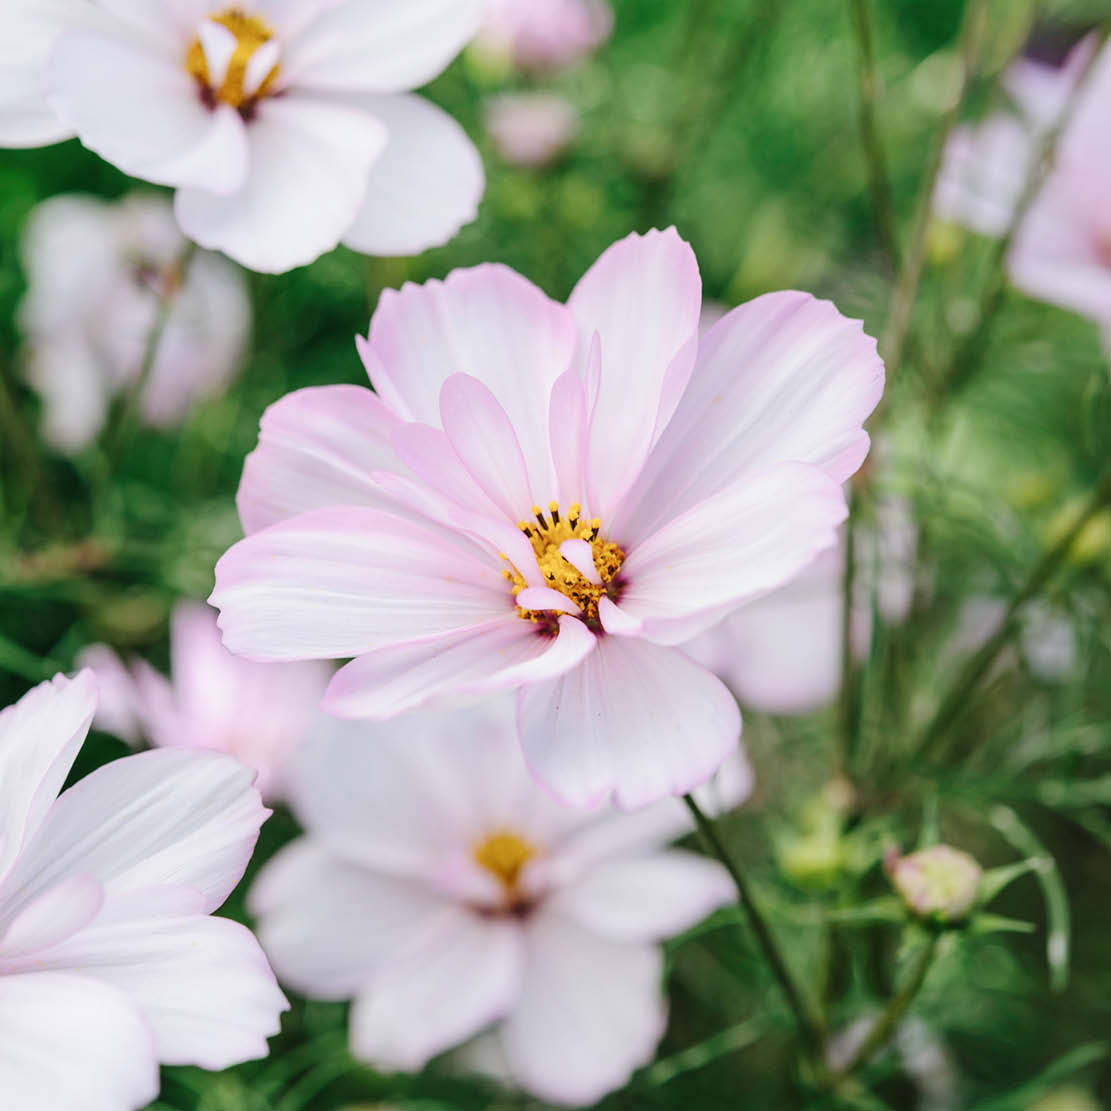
(425, 186)
(202, 983)
(58, 912)
(782, 378)
(591, 1011)
(487, 322)
(309, 164)
(633, 720)
(165, 817)
(317, 448)
(498, 655)
(642, 297)
(442, 989)
(649, 898)
(39, 739)
(379, 45)
(338, 582)
(108, 1052)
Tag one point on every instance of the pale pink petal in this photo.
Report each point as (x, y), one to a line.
(616, 621)
(544, 598)
(309, 162)
(58, 912)
(202, 983)
(782, 378)
(483, 438)
(69, 1043)
(318, 447)
(735, 546)
(140, 111)
(633, 720)
(338, 582)
(591, 1011)
(499, 655)
(379, 45)
(440, 990)
(328, 924)
(547, 36)
(642, 297)
(568, 432)
(426, 184)
(650, 898)
(166, 817)
(39, 739)
(530, 129)
(117, 708)
(487, 322)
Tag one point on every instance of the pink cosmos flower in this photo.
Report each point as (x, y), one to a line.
(782, 653)
(1062, 251)
(550, 498)
(285, 127)
(255, 712)
(445, 893)
(97, 273)
(110, 961)
(530, 129)
(544, 35)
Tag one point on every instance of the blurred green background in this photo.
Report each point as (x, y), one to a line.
(738, 122)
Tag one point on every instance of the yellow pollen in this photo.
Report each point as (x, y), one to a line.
(250, 33)
(504, 855)
(549, 531)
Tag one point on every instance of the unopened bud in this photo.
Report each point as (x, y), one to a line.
(939, 882)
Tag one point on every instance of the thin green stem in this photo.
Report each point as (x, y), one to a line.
(956, 701)
(868, 82)
(969, 42)
(810, 1026)
(704, 1053)
(887, 1023)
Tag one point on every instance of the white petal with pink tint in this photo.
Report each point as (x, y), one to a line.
(591, 1011)
(782, 378)
(425, 185)
(307, 175)
(317, 447)
(634, 720)
(447, 986)
(68, 1043)
(643, 298)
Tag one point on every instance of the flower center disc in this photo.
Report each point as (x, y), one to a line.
(231, 60)
(503, 855)
(585, 581)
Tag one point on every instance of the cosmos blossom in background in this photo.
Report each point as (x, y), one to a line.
(1061, 253)
(97, 274)
(543, 36)
(530, 129)
(110, 960)
(445, 893)
(257, 713)
(782, 653)
(285, 128)
(550, 498)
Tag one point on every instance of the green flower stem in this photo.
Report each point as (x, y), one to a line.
(809, 1024)
(704, 1053)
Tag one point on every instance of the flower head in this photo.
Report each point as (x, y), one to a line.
(285, 128)
(544, 35)
(939, 882)
(257, 713)
(97, 274)
(549, 498)
(109, 960)
(445, 893)
(530, 129)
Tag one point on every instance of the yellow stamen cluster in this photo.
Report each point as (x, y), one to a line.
(250, 33)
(546, 534)
(503, 855)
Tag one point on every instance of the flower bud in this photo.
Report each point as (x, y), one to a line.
(939, 882)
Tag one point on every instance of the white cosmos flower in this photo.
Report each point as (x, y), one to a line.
(110, 961)
(285, 125)
(97, 273)
(449, 896)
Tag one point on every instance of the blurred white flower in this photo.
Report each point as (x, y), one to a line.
(530, 129)
(110, 960)
(448, 895)
(285, 127)
(97, 273)
(255, 712)
(543, 35)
